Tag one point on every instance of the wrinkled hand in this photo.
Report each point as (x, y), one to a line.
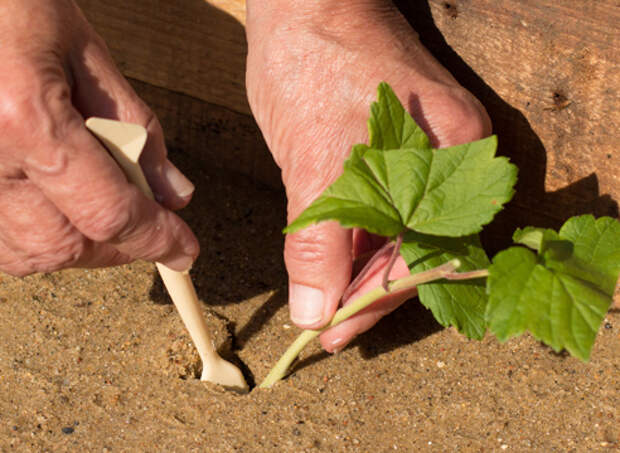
(63, 201)
(313, 69)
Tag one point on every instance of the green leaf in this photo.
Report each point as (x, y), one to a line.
(356, 199)
(533, 237)
(561, 294)
(458, 303)
(597, 244)
(465, 188)
(390, 126)
(399, 183)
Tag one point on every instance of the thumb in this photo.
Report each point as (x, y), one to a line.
(318, 261)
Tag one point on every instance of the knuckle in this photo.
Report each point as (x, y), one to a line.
(10, 106)
(474, 118)
(151, 122)
(306, 246)
(156, 241)
(34, 112)
(138, 112)
(52, 160)
(14, 266)
(18, 270)
(15, 109)
(468, 118)
(451, 115)
(305, 179)
(112, 224)
(56, 255)
(60, 120)
(53, 109)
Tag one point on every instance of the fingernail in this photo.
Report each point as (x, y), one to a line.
(337, 345)
(182, 186)
(181, 264)
(306, 304)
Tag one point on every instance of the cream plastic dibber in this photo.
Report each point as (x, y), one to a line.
(125, 143)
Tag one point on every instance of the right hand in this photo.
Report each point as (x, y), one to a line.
(313, 69)
(63, 200)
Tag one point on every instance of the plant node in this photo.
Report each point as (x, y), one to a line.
(390, 265)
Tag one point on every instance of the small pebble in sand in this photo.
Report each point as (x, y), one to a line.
(68, 430)
(441, 364)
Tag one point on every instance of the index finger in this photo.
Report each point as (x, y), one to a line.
(77, 174)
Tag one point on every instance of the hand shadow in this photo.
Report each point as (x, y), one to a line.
(237, 223)
(228, 216)
(410, 323)
(531, 205)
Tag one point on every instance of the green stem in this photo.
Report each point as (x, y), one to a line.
(280, 370)
(364, 272)
(481, 273)
(390, 264)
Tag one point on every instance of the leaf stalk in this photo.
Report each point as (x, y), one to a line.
(390, 264)
(280, 369)
(480, 273)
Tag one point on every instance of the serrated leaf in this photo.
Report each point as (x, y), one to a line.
(533, 237)
(355, 199)
(597, 244)
(446, 192)
(466, 187)
(562, 294)
(390, 126)
(459, 303)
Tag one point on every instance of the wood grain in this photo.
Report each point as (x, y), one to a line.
(213, 135)
(545, 70)
(547, 73)
(187, 46)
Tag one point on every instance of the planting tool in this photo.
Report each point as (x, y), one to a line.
(125, 142)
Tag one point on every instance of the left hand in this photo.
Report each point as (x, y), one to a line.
(63, 200)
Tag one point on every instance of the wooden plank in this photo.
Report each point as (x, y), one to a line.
(216, 137)
(188, 46)
(236, 8)
(547, 73)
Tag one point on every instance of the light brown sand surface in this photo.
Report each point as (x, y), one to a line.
(98, 360)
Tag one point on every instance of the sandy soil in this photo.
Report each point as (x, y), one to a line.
(98, 360)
